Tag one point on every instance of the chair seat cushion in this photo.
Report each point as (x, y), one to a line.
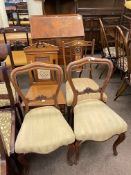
(112, 52)
(5, 128)
(3, 90)
(94, 120)
(80, 85)
(122, 64)
(43, 130)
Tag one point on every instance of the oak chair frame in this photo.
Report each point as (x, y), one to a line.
(75, 64)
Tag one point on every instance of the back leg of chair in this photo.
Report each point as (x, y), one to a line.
(77, 151)
(120, 139)
(122, 88)
(22, 158)
(71, 154)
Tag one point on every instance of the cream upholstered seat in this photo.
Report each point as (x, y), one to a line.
(43, 130)
(94, 120)
(5, 128)
(112, 52)
(81, 84)
(3, 90)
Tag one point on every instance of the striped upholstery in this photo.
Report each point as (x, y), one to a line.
(3, 90)
(80, 85)
(94, 120)
(112, 52)
(43, 130)
(5, 128)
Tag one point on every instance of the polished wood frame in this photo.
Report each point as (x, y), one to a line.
(75, 64)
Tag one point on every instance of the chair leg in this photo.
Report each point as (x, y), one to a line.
(70, 154)
(122, 88)
(120, 139)
(22, 158)
(77, 152)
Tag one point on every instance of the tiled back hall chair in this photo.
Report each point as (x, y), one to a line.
(75, 50)
(44, 129)
(126, 82)
(93, 119)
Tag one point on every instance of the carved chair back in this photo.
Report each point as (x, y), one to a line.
(121, 49)
(82, 62)
(75, 50)
(42, 52)
(42, 97)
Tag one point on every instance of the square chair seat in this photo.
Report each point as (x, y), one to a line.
(43, 130)
(94, 120)
(80, 85)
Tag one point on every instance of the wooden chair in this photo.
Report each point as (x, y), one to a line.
(126, 82)
(121, 50)
(43, 81)
(90, 121)
(75, 50)
(108, 50)
(43, 127)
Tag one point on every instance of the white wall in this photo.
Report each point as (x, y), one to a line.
(35, 7)
(3, 16)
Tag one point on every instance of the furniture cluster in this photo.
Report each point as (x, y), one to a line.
(55, 57)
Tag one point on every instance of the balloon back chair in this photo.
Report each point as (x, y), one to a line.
(93, 119)
(75, 50)
(44, 129)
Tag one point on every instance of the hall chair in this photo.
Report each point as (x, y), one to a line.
(92, 118)
(126, 81)
(44, 129)
(75, 50)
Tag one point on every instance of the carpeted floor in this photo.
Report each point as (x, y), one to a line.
(96, 158)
